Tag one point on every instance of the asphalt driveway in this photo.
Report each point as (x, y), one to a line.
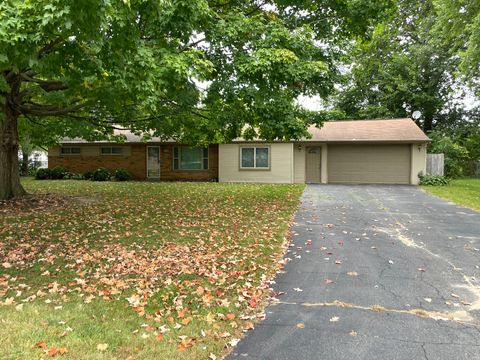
(374, 272)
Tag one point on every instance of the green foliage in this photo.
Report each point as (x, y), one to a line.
(401, 69)
(460, 146)
(433, 180)
(101, 174)
(73, 176)
(88, 175)
(42, 174)
(459, 23)
(59, 173)
(81, 66)
(122, 175)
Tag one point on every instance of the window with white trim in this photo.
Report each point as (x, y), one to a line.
(70, 150)
(255, 157)
(111, 150)
(190, 158)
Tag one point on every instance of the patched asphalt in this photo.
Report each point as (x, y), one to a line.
(416, 293)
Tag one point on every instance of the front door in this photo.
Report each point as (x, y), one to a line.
(153, 162)
(313, 164)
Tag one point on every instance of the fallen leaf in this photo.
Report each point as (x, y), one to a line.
(328, 281)
(187, 320)
(41, 344)
(334, 319)
(353, 333)
(212, 356)
(390, 262)
(102, 347)
(159, 337)
(301, 325)
(6, 265)
(298, 289)
(427, 300)
(234, 342)
(352, 273)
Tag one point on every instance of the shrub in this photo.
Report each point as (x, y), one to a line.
(88, 175)
(122, 175)
(101, 174)
(433, 180)
(58, 173)
(73, 176)
(42, 174)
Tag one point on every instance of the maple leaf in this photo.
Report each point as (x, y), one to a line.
(41, 344)
(210, 317)
(187, 320)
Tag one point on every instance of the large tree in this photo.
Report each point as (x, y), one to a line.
(458, 22)
(80, 68)
(403, 68)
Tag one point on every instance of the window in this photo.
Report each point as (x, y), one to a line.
(255, 158)
(70, 150)
(111, 150)
(190, 158)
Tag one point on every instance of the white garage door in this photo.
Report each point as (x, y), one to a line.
(369, 164)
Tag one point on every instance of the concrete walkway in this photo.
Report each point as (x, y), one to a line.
(376, 272)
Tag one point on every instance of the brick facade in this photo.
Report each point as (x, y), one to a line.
(168, 174)
(134, 160)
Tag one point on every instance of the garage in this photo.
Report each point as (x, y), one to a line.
(369, 164)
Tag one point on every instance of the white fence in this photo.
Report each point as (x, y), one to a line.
(435, 164)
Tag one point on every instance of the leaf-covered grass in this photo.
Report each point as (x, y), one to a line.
(137, 270)
(464, 192)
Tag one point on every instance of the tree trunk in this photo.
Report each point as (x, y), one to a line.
(25, 163)
(9, 170)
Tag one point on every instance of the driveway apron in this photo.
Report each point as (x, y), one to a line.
(374, 272)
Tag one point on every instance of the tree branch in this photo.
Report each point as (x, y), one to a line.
(47, 85)
(47, 48)
(48, 110)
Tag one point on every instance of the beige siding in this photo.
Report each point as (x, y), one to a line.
(281, 164)
(299, 163)
(419, 162)
(382, 164)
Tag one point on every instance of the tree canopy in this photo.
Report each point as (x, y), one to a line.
(138, 63)
(459, 23)
(403, 68)
(81, 68)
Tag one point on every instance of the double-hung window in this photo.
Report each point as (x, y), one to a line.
(255, 157)
(70, 150)
(111, 150)
(190, 158)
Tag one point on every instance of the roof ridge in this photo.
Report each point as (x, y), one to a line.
(376, 119)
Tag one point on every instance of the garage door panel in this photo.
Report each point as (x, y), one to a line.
(382, 164)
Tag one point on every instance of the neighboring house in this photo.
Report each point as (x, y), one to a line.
(361, 151)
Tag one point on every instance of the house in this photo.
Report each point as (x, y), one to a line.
(361, 151)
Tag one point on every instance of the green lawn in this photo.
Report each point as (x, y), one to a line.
(464, 192)
(137, 270)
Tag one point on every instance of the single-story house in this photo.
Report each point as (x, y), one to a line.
(361, 151)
